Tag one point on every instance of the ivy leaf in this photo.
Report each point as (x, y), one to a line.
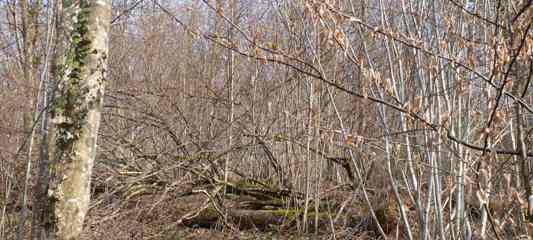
(67, 3)
(76, 39)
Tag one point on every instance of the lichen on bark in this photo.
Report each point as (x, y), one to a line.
(75, 115)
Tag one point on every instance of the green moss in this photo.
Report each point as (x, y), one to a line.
(210, 213)
(246, 183)
(280, 137)
(249, 183)
(192, 158)
(288, 213)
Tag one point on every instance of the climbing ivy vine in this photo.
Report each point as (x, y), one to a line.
(69, 110)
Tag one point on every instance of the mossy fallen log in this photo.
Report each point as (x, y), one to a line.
(249, 219)
(259, 190)
(250, 203)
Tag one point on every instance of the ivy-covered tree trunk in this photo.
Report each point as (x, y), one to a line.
(74, 119)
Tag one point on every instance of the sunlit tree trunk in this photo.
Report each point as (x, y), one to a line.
(74, 122)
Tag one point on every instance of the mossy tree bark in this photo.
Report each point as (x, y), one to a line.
(74, 122)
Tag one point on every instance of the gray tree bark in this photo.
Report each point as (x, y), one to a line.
(74, 122)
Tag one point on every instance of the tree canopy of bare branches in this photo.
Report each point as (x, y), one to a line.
(339, 119)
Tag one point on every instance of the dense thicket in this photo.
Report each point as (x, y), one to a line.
(339, 118)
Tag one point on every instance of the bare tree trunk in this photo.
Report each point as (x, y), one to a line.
(75, 118)
(524, 163)
(29, 13)
(59, 45)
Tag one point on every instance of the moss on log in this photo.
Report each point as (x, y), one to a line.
(249, 219)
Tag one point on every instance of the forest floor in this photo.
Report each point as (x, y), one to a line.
(169, 215)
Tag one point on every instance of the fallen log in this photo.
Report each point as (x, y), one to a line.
(248, 219)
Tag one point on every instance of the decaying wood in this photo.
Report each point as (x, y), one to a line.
(246, 206)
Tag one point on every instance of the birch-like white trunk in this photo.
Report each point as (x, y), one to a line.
(75, 119)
